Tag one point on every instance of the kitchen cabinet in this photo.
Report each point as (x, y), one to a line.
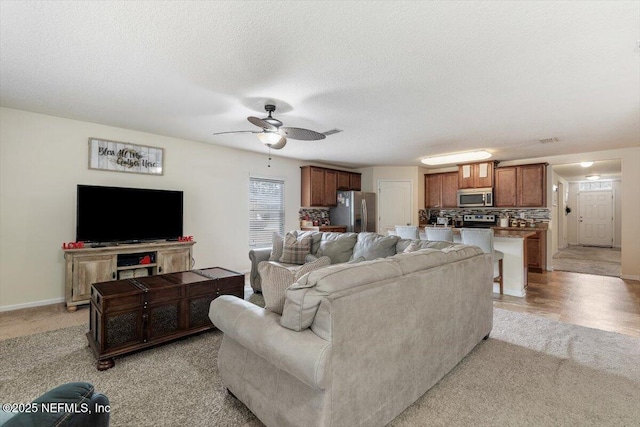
(330, 187)
(344, 180)
(319, 185)
(537, 251)
(504, 194)
(355, 182)
(476, 175)
(520, 186)
(531, 185)
(440, 190)
(86, 266)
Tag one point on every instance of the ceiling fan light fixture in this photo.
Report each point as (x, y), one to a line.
(586, 164)
(270, 138)
(468, 156)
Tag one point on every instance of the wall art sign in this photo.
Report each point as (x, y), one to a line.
(119, 156)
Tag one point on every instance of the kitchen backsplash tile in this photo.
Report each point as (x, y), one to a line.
(537, 214)
(320, 214)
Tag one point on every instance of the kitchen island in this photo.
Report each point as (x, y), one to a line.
(513, 243)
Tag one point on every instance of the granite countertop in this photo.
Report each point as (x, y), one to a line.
(514, 233)
(322, 227)
(536, 228)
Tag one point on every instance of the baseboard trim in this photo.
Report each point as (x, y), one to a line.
(31, 304)
(630, 277)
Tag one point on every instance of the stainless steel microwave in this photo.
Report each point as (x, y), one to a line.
(475, 197)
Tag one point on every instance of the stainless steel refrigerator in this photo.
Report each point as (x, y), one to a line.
(356, 210)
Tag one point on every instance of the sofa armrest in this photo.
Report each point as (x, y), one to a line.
(302, 354)
(257, 256)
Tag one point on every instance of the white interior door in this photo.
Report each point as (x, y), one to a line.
(595, 218)
(394, 204)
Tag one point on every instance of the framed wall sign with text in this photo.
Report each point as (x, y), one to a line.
(118, 156)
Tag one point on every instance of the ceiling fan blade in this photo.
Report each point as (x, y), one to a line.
(235, 131)
(261, 123)
(299, 133)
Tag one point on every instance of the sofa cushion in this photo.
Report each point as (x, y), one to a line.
(372, 246)
(421, 244)
(304, 296)
(276, 278)
(337, 246)
(423, 259)
(295, 249)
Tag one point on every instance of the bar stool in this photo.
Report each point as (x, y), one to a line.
(483, 238)
(407, 232)
(442, 234)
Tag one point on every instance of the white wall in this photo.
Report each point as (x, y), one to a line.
(43, 158)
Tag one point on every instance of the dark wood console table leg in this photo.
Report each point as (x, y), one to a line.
(103, 365)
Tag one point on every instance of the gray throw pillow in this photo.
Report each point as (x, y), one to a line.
(373, 246)
(315, 239)
(337, 246)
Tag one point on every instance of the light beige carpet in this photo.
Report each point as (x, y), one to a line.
(531, 371)
(588, 260)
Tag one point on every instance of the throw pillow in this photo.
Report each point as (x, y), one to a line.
(411, 248)
(337, 246)
(276, 279)
(277, 246)
(372, 246)
(295, 251)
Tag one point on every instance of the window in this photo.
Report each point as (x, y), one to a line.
(595, 185)
(266, 210)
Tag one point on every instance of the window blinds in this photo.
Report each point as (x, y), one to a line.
(266, 210)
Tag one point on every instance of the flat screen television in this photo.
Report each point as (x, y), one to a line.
(118, 214)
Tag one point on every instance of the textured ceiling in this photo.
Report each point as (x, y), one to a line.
(403, 80)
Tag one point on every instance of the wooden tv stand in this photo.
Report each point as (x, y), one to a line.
(103, 264)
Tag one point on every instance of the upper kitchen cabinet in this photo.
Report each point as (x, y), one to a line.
(344, 180)
(476, 175)
(440, 190)
(504, 194)
(349, 180)
(532, 185)
(520, 186)
(319, 185)
(355, 182)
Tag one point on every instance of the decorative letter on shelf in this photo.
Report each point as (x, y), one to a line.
(118, 156)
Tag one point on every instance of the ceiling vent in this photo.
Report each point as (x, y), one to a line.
(332, 131)
(548, 140)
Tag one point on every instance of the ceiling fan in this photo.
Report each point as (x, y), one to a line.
(274, 135)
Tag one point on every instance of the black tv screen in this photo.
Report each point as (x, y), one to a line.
(118, 214)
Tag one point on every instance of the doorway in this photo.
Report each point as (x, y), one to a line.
(394, 204)
(595, 218)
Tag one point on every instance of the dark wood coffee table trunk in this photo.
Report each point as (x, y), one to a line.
(133, 314)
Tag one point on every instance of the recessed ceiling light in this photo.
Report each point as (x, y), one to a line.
(469, 156)
(586, 164)
(593, 177)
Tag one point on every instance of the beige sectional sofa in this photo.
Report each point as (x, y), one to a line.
(339, 247)
(356, 344)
